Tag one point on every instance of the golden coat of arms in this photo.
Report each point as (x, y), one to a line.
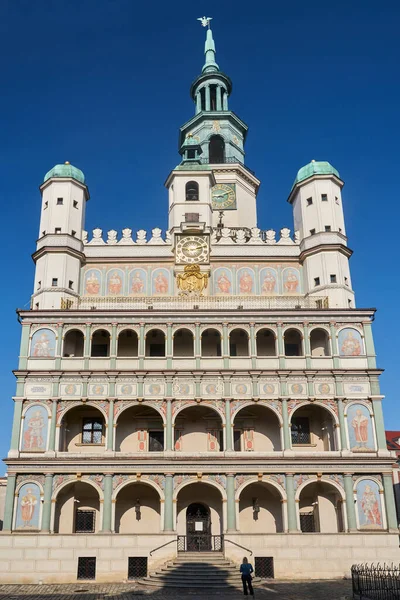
(192, 281)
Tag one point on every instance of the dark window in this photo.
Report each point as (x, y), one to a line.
(57, 230)
(232, 350)
(39, 285)
(336, 200)
(216, 150)
(43, 232)
(264, 567)
(346, 281)
(71, 285)
(37, 305)
(324, 197)
(192, 217)
(54, 282)
(333, 278)
(312, 231)
(349, 303)
(317, 281)
(73, 233)
(328, 228)
(340, 230)
(86, 567)
(157, 349)
(192, 190)
(307, 522)
(191, 153)
(300, 430)
(60, 201)
(85, 521)
(46, 204)
(75, 204)
(137, 567)
(156, 441)
(237, 434)
(92, 431)
(309, 201)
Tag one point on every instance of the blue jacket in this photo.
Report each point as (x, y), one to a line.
(246, 568)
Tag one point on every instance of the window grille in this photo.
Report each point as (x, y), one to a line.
(85, 521)
(86, 567)
(92, 431)
(307, 522)
(301, 430)
(264, 567)
(137, 567)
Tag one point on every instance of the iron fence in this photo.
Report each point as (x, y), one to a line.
(376, 582)
(200, 542)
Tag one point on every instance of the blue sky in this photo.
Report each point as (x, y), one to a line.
(105, 85)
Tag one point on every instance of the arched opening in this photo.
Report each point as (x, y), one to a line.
(319, 343)
(139, 429)
(198, 429)
(260, 509)
(211, 343)
(100, 343)
(155, 343)
(321, 508)
(137, 509)
(82, 430)
(239, 343)
(192, 191)
(293, 343)
(266, 343)
(313, 428)
(216, 149)
(183, 343)
(127, 343)
(256, 428)
(77, 509)
(188, 500)
(198, 527)
(73, 343)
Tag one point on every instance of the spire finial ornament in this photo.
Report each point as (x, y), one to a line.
(209, 50)
(205, 21)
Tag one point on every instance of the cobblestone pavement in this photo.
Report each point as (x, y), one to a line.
(276, 590)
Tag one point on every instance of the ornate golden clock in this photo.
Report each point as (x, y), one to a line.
(223, 196)
(192, 249)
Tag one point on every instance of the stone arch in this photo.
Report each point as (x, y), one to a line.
(100, 347)
(367, 405)
(198, 491)
(124, 504)
(137, 403)
(306, 428)
(324, 480)
(73, 345)
(64, 484)
(372, 478)
(124, 347)
(245, 403)
(255, 479)
(322, 511)
(28, 480)
(239, 342)
(320, 341)
(159, 346)
(35, 403)
(84, 430)
(293, 341)
(315, 403)
(253, 431)
(72, 405)
(183, 342)
(135, 481)
(193, 403)
(141, 429)
(65, 509)
(213, 347)
(269, 499)
(266, 347)
(195, 481)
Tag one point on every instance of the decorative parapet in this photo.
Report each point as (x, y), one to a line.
(127, 240)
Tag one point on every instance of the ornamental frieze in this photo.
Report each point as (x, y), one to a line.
(298, 480)
(35, 477)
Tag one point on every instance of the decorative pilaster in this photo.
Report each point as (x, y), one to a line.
(379, 424)
(9, 502)
(169, 345)
(53, 424)
(141, 346)
(291, 504)
(59, 345)
(253, 348)
(369, 346)
(168, 428)
(113, 346)
(334, 345)
(342, 423)
(307, 346)
(24, 347)
(87, 344)
(16, 428)
(110, 425)
(389, 502)
(225, 344)
(108, 486)
(350, 504)
(228, 425)
(169, 505)
(46, 515)
(281, 346)
(231, 509)
(286, 428)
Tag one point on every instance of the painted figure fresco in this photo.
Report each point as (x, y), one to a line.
(43, 344)
(245, 281)
(92, 282)
(34, 434)
(28, 507)
(369, 505)
(350, 342)
(223, 281)
(160, 282)
(137, 282)
(268, 281)
(115, 279)
(291, 281)
(359, 426)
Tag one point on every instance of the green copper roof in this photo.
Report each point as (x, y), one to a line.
(315, 167)
(65, 170)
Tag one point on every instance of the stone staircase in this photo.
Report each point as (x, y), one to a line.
(207, 570)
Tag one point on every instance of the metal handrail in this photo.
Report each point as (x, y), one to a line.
(159, 547)
(239, 546)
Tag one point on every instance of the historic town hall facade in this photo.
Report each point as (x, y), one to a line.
(211, 387)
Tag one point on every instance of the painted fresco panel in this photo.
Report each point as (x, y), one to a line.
(137, 282)
(43, 344)
(359, 426)
(269, 282)
(160, 282)
(70, 389)
(92, 282)
(245, 281)
(115, 282)
(291, 281)
(369, 505)
(28, 507)
(223, 281)
(350, 342)
(34, 433)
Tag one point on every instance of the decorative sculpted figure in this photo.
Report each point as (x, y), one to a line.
(84, 237)
(112, 237)
(240, 236)
(192, 281)
(97, 239)
(138, 510)
(156, 236)
(255, 236)
(270, 236)
(126, 237)
(141, 237)
(256, 509)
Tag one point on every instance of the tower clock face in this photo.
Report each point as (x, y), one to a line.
(223, 196)
(192, 249)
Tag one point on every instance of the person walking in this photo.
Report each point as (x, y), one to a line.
(246, 570)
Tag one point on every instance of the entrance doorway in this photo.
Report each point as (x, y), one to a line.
(198, 527)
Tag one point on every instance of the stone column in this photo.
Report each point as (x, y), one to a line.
(342, 423)
(198, 102)
(87, 344)
(231, 506)
(225, 344)
(225, 100)
(379, 424)
(228, 426)
(113, 346)
(291, 504)
(253, 346)
(9, 502)
(334, 345)
(389, 502)
(108, 485)
(369, 345)
(24, 347)
(169, 429)
(53, 424)
(219, 97)
(208, 97)
(169, 352)
(110, 425)
(350, 504)
(286, 428)
(307, 345)
(16, 428)
(281, 346)
(59, 345)
(197, 345)
(141, 346)
(48, 490)
(169, 505)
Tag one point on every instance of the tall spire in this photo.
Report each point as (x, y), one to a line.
(210, 65)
